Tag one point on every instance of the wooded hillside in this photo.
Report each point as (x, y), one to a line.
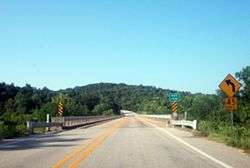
(19, 104)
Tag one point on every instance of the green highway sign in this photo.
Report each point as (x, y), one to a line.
(174, 97)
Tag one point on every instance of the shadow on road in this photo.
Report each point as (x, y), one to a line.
(41, 142)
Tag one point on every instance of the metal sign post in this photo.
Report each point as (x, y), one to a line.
(185, 115)
(232, 118)
(230, 86)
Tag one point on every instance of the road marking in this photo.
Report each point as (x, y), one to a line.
(187, 144)
(69, 156)
(77, 151)
(95, 142)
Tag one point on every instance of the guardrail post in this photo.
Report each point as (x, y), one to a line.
(29, 127)
(47, 121)
(182, 124)
(195, 124)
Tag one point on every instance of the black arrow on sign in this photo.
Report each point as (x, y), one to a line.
(231, 83)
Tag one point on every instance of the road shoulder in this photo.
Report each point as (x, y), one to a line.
(232, 156)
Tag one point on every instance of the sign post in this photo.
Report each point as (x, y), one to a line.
(174, 97)
(185, 115)
(230, 86)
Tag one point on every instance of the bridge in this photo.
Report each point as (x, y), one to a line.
(129, 141)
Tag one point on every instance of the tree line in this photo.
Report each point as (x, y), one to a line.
(19, 104)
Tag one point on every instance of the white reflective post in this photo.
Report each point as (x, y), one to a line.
(47, 121)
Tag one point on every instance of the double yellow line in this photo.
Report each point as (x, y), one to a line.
(85, 150)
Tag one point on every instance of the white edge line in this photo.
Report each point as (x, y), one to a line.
(188, 145)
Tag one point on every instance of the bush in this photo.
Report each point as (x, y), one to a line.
(2, 130)
(206, 127)
(237, 136)
(21, 129)
(108, 112)
(13, 125)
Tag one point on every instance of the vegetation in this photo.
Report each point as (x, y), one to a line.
(19, 104)
(214, 121)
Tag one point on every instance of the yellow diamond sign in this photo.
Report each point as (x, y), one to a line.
(230, 85)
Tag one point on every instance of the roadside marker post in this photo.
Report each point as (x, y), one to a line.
(174, 107)
(60, 108)
(47, 121)
(230, 86)
(174, 97)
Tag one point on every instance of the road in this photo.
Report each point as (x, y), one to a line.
(123, 143)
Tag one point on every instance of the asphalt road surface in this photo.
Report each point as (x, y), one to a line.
(123, 143)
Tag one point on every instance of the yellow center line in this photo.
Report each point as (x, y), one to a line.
(60, 163)
(95, 144)
(77, 151)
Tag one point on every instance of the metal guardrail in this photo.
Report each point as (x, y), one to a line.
(169, 120)
(31, 125)
(76, 121)
(69, 122)
(183, 123)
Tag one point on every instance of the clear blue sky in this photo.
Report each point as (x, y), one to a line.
(182, 45)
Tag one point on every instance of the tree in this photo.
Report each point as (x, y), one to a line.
(244, 96)
(244, 77)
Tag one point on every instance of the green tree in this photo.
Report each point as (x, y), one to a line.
(244, 97)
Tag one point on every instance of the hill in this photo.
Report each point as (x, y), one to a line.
(19, 104)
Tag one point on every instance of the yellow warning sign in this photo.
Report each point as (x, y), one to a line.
(230, 85)
(230, 103)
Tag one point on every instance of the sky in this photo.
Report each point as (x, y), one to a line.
(182, 45)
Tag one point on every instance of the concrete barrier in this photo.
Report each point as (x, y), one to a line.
(167, 116)
(161, 118)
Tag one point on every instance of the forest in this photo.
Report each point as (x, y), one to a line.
(20, 104)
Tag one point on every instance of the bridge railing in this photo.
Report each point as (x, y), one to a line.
(31, 125)
(69, 122)
(75, 121)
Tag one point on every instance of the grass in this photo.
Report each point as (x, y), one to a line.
(39, 130)
(237, 136)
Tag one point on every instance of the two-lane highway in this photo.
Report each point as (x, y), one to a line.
(126, 142)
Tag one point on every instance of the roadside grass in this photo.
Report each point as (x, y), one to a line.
(236, 136)
(39, 130)
(217, 137)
